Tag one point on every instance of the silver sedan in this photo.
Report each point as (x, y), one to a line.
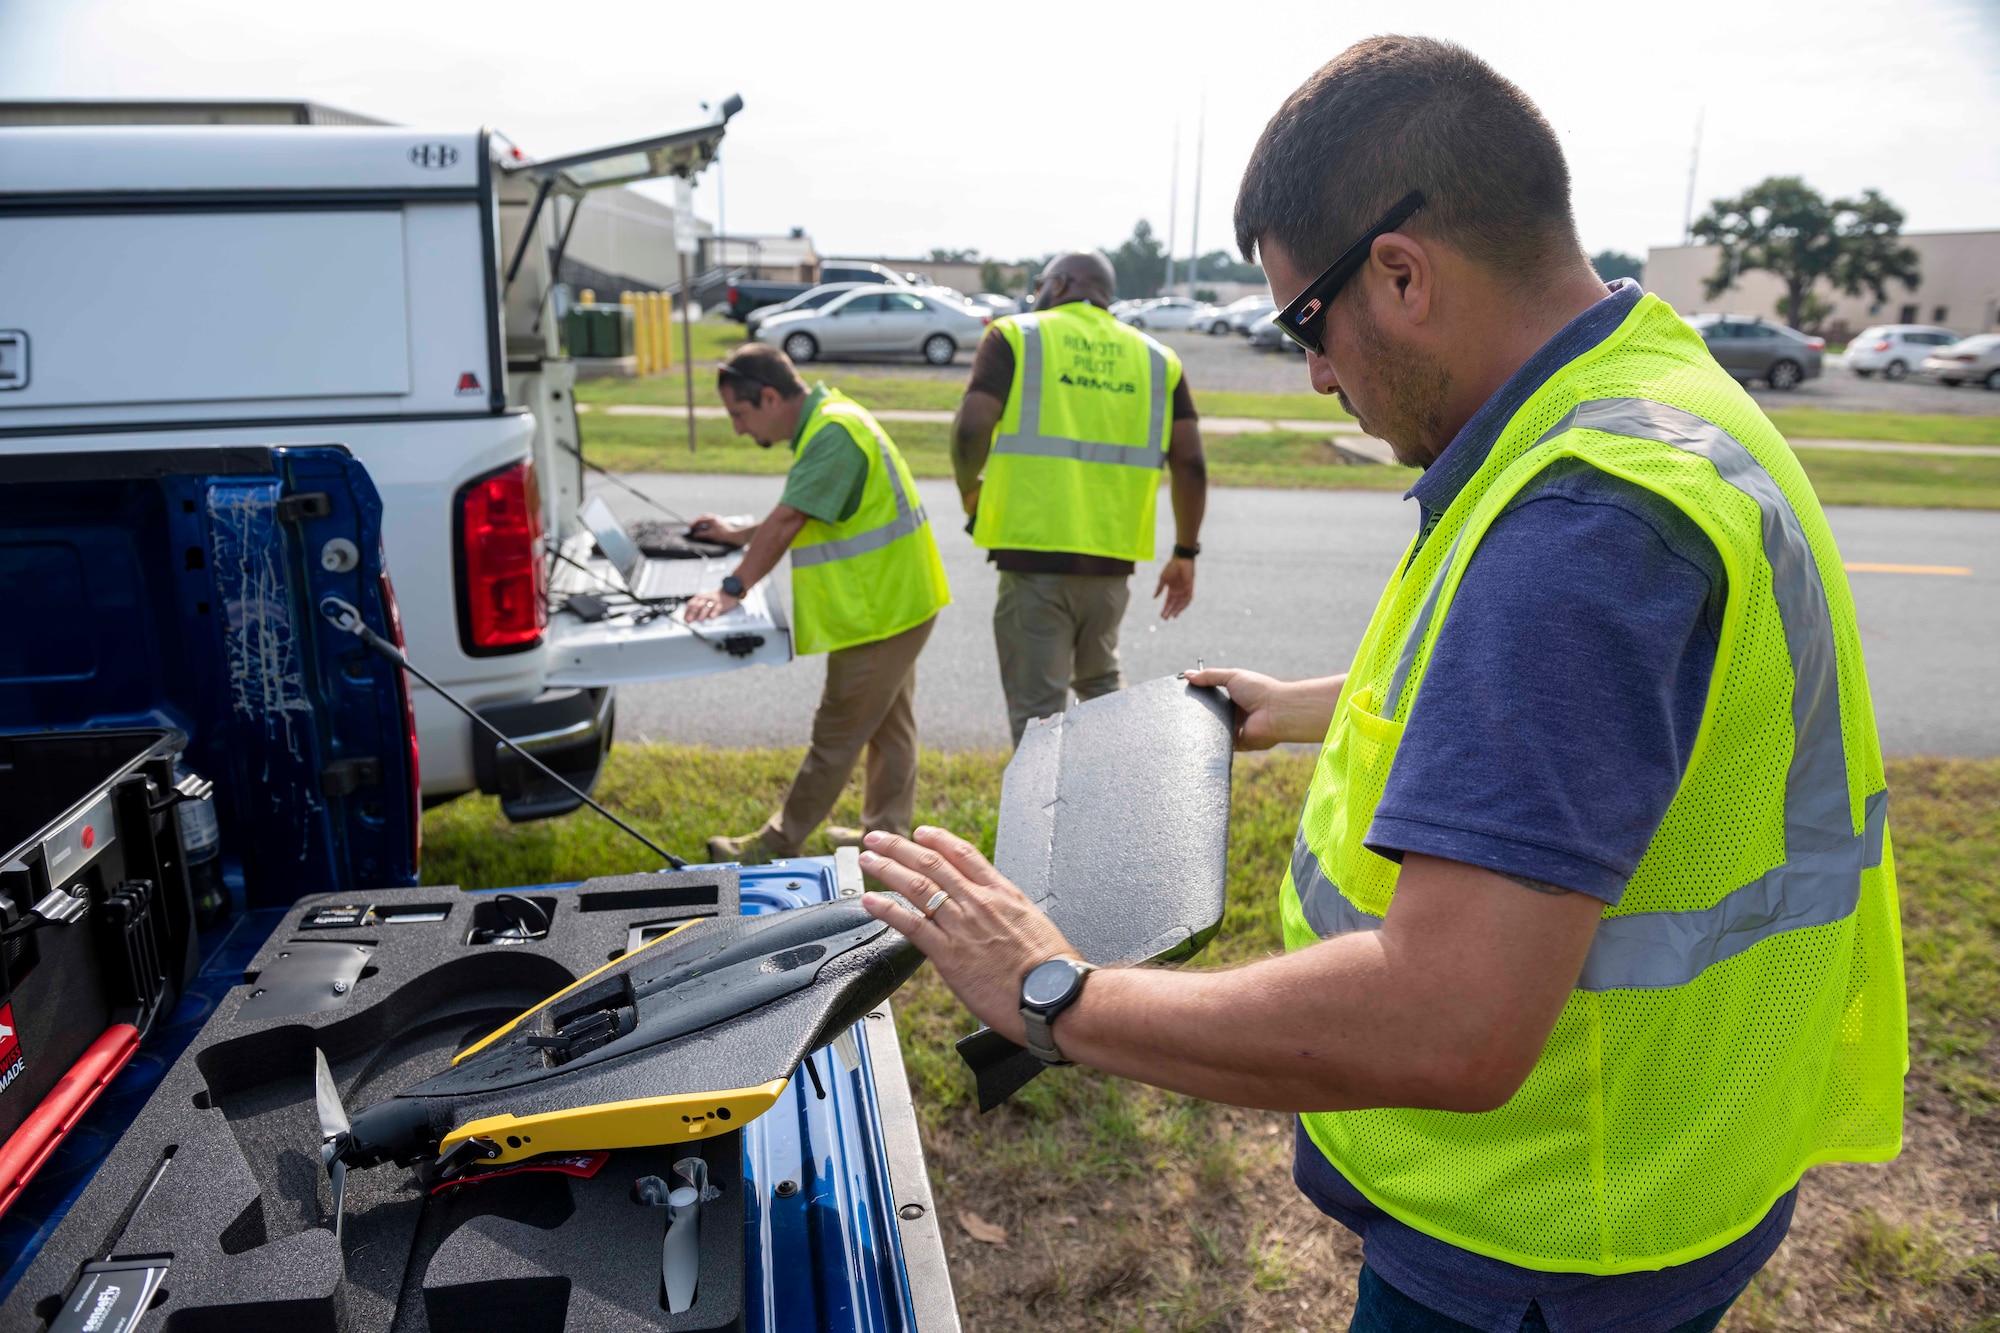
(880, 322)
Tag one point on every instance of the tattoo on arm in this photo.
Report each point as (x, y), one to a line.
(1538, 885)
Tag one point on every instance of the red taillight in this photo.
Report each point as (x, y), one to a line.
(395, 614)
(500, 549)
(1882, 346)
(732, 293)
(1817, 344)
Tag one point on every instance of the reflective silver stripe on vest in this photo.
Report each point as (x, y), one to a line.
(1653, 950)
(1327, 909)
(1820, 881)
(909, 518)
(1030, 441)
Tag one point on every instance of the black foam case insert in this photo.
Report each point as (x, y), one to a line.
(243, 1205)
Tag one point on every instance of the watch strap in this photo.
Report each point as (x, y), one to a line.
(1186, 552)
(1040, 1023)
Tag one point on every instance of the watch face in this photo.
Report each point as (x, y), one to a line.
(1049, 984)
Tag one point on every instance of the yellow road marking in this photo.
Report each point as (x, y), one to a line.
(1866, 567)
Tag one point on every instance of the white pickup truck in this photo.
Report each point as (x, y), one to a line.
(389, 290)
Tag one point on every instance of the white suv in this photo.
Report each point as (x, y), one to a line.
(1895, 349)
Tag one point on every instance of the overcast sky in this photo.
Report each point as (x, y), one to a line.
(1021, 128)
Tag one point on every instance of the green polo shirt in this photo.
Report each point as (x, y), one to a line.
(828, 473)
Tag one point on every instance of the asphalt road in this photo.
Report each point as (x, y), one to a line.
(1287, 581)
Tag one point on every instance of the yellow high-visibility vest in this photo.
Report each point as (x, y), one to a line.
(1075, 463)
(877, 573)
(1740, 1016)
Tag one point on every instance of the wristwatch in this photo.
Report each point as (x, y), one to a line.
(1186, 552)
(733, 586)
(1045, 993)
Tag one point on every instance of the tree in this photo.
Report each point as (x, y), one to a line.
(1140, 262)
(939, 256)
(992, 277)
(1221, 266)
(1784, 227)
(1612, 265)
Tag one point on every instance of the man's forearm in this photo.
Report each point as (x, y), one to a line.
(1302, 710)
(768, 543)
(1416, 1014)
(972, 437)
(1187, 475)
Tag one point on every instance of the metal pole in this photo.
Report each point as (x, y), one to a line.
(1694, 162)
(687, 343)
(1173, 210)
(1194, 214)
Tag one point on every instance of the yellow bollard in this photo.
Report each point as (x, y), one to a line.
(663, 328)
(587, 297)
(641, 344)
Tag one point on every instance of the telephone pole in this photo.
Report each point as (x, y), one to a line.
(1694, 161)
(1173, 205)
(1194, 215)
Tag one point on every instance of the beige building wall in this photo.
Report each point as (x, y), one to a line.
(1959, 287)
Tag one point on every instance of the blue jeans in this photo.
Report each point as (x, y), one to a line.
(1382, 1309)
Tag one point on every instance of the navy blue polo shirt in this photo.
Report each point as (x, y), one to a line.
(1551, 730)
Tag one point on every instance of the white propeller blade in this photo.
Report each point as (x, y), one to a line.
(332, 1115)
(332, 1127)
(680, 1255)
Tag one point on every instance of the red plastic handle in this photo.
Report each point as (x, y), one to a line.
(23, 1154)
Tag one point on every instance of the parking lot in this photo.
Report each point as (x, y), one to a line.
(1229, 363)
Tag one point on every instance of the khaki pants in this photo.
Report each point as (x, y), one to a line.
(1057, 633)
(868, 703)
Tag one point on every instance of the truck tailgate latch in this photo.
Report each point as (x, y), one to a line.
(311, 504)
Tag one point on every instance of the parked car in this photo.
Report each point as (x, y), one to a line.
(1895, 349)
(1264, 332)
(1750, 348)
(810, 299)
(1974, 360)
(746, 295)
(1165, 312)
(996, 302)
(900, 322)
(1232, 318)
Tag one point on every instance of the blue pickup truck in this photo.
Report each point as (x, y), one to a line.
(169, 601)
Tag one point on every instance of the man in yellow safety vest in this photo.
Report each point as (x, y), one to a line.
(867, 584)
(1591, 911)
(1058, 446)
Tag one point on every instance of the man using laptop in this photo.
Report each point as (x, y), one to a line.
(867, 584)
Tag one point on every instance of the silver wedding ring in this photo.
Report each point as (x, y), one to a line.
(938, 899)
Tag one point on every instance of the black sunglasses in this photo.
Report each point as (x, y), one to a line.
(1304, 320)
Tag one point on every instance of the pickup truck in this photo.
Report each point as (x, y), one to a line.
(389, 290)
(745, 293)
(184, 591)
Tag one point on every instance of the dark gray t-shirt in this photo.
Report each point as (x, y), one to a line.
(1555, 720)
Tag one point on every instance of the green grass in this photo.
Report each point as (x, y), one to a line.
(1904, 481)
(1818, 423)
(1286, 459)
(1133, 1208)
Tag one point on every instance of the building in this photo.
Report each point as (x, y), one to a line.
(1958, 287)
(787, 258)
(959, 274)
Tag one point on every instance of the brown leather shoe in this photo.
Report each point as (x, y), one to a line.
(747, 850)
(839, 835)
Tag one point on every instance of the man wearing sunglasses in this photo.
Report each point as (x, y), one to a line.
(867, 584)
(1058, 447)
(1591, 910)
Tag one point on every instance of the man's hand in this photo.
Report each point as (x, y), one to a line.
(970, 501)
(1177, 582)
(708, 605)
(1270, 711)
(983, 939)
(713, 528)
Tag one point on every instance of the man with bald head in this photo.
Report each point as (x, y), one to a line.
(1058, 446)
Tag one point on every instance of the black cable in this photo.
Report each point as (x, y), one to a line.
(532, 906)
(812, 1072)
(344, 616)
(625, 485)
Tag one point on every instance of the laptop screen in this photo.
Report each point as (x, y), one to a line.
(612, 539)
